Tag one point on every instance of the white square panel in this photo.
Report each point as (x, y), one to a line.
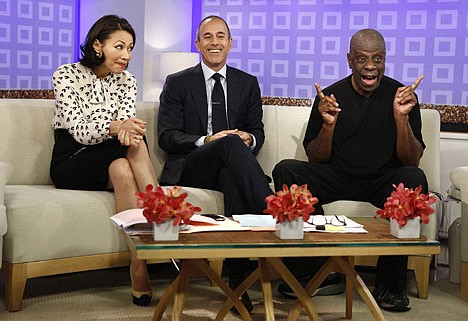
(415, 46)
(416, 19)
(24, 82)
(304, 69)
(307, 2)
(411, 72)
(256, 67)
(234, 2)
(306, 20)
(465, 73)
(257, 20)
(282, 2)
(24, 59)
(65, 38)
(65, 13)
(258, 2)
(64, 58)
(44, 82)
(236, 44)
(234, 20)
(445, 46)
(5, 32)
(280, 44)
(358, 20)
(329, 70)
(282, 20)
(464, 98)
(5, 82)
(25, 9)
(24, 34)
(5, 8)
(387, 20)
(305, 45)
(443, 97)
(44, 60)
(280, 68)
(256, 44)
(446, 19)
(331, 20)
(235, 63)
(303, 91)
(331, 45)
(390, 69)
(443, 73)
(466, 47)
(390, 46)
(5, 59)
(45, 36)
(280, 90)
(46, 11)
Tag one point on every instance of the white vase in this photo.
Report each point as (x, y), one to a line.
(165, 231)
(411, 230)
(293, 230)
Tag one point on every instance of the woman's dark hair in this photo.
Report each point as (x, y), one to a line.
(101, 30)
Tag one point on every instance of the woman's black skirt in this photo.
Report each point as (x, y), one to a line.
(83, 167)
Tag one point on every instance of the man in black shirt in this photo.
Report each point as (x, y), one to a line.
(363, 136)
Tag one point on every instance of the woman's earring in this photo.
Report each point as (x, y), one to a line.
(98, 54)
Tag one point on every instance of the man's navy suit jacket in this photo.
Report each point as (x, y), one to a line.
(183, 114)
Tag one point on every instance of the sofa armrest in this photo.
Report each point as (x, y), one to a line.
(4, 176)
(459, 178)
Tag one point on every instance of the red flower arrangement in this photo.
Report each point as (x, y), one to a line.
(405, 204)
(159, 206)
(291, 203)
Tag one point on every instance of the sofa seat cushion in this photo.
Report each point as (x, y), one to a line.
(48, 223)
(456, 179)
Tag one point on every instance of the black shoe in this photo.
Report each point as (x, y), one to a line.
(245, 299)
(334, 284)
(394, 301)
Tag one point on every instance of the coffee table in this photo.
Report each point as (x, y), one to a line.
(194, 250)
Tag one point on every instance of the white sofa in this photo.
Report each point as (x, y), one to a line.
(52, 231)
(459, 191)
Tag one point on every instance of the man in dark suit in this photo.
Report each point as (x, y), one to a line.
(210, 124)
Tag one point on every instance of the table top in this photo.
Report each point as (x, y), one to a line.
(265, 244)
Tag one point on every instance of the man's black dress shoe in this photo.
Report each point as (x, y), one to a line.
(245, 299)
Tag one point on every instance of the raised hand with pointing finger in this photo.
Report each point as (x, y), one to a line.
(405, 99)
(328, 106)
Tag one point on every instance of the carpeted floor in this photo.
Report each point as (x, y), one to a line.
(105, 295)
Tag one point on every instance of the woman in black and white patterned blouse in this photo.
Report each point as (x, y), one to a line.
(99, 142)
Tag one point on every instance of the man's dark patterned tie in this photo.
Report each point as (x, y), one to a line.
(218, 104)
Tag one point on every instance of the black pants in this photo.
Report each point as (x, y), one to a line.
(227, 165)
(328, 186)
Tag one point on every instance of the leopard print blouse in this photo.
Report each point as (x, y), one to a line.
(85, 105)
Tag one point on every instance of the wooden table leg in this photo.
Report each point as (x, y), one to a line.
(294, 284)
(246, 284)
(310, 288)
(349, 291)
(164, 301)
(266, 290)
(360, 287)
(233, 297)
(179, 296)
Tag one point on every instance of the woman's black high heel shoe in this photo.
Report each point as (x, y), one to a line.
(142, 299)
